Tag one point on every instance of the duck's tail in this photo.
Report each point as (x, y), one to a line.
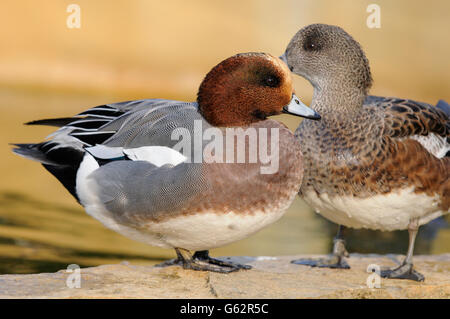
(444, 106)
(64, 149)
(61, 155)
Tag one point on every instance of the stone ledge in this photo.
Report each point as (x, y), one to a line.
(271, 277)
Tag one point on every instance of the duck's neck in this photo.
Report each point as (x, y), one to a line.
(335, 97)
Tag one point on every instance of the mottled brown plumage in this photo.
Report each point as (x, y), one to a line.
(371, 152)
(364, 145)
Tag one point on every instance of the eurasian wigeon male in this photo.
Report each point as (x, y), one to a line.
(371, 162)
(123, 161)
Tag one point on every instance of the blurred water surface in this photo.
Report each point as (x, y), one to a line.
(137, 49)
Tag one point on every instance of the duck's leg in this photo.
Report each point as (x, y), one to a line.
(336, 260)
(201, 261)
(203, 255)
(405, 270)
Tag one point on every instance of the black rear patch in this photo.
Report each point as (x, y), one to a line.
(67, 175)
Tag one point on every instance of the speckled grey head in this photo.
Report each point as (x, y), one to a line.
(329, 57)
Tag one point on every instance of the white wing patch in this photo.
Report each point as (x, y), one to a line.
(105, 152)
(435, 144)
(157, 155)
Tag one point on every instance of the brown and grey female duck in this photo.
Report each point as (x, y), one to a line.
(371, 162)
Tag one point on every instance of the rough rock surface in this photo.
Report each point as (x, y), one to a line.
(271, 277)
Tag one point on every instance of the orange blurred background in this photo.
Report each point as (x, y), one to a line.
(136, 49)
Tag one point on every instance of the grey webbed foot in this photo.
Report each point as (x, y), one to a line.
(404, 271)
(201, 261)
(203, 256)
(335, 261)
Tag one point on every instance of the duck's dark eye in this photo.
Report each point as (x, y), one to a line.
(271, 81)
(312, 43)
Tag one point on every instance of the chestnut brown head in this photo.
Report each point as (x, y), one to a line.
(246, 88)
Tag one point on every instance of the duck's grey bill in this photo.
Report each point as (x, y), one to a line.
(296, 107)
(283, 58)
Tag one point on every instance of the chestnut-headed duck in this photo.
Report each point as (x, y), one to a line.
(372, 162)
(124, 164)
